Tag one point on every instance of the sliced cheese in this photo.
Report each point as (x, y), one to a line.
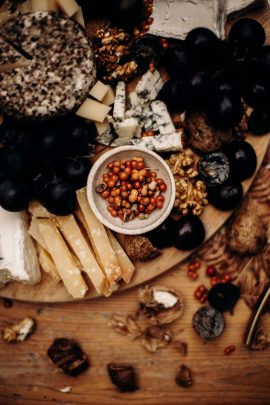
(79, 18)
(102, 126)
(100, 241)
(68, 7)
(119, 107)
(74, 237)
(47, 263)
(34, 231)
(62, 258)
(93, 110)
(38, 210)
(99, 90)
(126, 265)
(109, 96)
(43, 5)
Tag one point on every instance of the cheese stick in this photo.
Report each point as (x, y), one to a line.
(62, 258)
(47, 263)
(74, 237)
(126, 265)
(100, 241)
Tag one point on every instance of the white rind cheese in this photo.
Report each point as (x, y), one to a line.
(149, 85)
(18, 256)
(120, 101)
(162, 118)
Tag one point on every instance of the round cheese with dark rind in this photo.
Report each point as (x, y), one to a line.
(60, 74)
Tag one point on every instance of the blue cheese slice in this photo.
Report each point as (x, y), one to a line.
(160, 143)
(106, 137)
(162, 118)
(149, 85)
(119, 101)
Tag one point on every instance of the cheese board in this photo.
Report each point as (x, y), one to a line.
(144, 103)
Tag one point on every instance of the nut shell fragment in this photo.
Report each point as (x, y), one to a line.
(161, 305)
(19, 332)
(155, 338)
(184, 377)
(208, 323)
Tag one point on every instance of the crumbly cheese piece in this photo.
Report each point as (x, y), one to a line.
(93, 110)
(74, 237)
(106, 137)
(43, 5)
(99, 90)
(126, 128)
(162, 117)
(68, 7)
(149, 85)
(102, 126)
(141, 112)
(126, 265)
(100, 241)
(109, 96)
(47, 263)
(120, 101)
(18, 256)
(78, 17)
(160, 143)
(62, 258)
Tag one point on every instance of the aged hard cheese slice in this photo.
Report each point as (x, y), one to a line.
(62, 258)
(69, 7)
(99, 90)
(119, 107)
(74, 237)
(43, 5)
(93, 110)
(47, 263)
(100, 241)
(102, 126)
(109, 96)
(127, 267)
(78, 17)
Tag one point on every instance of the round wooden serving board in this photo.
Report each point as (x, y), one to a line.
(48, 291)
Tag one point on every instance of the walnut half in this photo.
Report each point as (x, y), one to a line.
(18, 332)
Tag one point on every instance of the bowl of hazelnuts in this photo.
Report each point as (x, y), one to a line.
(131, 190)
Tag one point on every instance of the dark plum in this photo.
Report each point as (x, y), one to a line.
(190, 233)
(225, 111)
(227, 196)
(164, 235)
(41, 174)
(247, 35)
(126, 13)
(14, 195)
(145, 50)
(259, 121)
(201, 46)
(80, 138)
(198, 94)
(175, 60)
(174, 95)
(223, 296)
(263, 56)
(15, 163)
(227, 82)
(59, 197)
(242, 158)
(50, 143)
(75, 171)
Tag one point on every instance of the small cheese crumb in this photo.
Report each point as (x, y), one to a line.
(65, 390)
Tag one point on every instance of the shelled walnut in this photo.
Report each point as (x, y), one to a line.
(191, 194)
(18, 332)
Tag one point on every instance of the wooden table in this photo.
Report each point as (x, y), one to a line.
(27, 376)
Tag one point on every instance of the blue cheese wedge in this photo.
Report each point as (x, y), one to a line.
(106, 137)
(119, 101)
(160, 143)
(18, 256)
(149, 85)
(162, 118)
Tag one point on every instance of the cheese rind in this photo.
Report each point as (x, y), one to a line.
(93, 110)
(68, 7)
(99, 90)
(62, 258)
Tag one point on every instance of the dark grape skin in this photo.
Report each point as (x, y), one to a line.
(164, 235)
(59, 197)
(227, 196)
(41, 174)
(15, 163)
(175, 60)
(198, 84)
(80, 137)
(190, 233)
(226, 82)
(242, 159)
(145, 50)
(126, 13)
(223, 296)
(225, 111)
(259, 121)
(50, 144)
(174, 95)
(247, 35)
(201, 47)
(75, 171)
(263, 56)
(14, 195)
(256, 92)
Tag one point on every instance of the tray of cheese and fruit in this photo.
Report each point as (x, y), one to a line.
(121, 151)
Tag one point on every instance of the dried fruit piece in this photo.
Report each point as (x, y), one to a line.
(214, 169)
(139, 248)
(68, 355)
(155, 338)
(181, 346)
(162, 305)
(184, 377)
(208, 323)
(19, 332)
(223, 296)
(123, 376)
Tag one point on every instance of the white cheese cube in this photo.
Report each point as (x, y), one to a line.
(68, 7)
(109, 97)
(120, 101)
(99, 90)
(93, 110)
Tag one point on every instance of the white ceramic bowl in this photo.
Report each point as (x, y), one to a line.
(99, 205)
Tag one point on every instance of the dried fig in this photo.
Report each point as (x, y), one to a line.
(123, 376)
(184, 377)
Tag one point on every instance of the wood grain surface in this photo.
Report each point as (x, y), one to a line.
(27, 377)
(49, 291)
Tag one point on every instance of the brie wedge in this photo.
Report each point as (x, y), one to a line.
(18, 257)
